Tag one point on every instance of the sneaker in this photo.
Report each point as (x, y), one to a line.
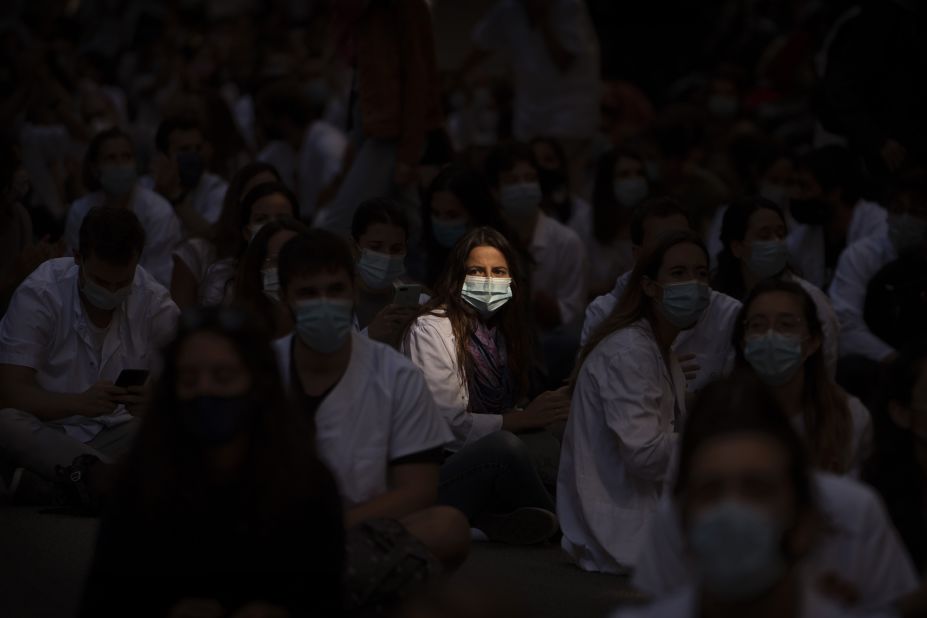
(76, 497)
(524, 526)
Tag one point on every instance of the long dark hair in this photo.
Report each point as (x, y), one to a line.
(742, 404)
(728, 278)
(164, 476)
(226, 232)
(825, 413)
(893, 468)
(608, 216)
(634, 304)
(511, 318)
(249, 284)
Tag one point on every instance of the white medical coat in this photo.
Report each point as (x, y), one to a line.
(619, 441)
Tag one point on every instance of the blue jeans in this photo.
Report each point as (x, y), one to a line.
(495, 474)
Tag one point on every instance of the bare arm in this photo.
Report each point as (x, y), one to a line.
(412, 487)
(18, 389)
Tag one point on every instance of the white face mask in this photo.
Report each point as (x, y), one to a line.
(521, 200)
(271, 283)
(254, 228)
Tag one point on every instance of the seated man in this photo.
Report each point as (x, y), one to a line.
(705, 349)
(72, 327)
(376, 425)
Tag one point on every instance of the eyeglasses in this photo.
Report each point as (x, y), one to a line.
(784, 324)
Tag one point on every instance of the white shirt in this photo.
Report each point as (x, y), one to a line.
(860, 545)
(684, 603)
(217, 285)
(606, 262)
(548, 101)
(806, 242)
(431, 345)
(619, 441)
(161, 225)
(860, 436)
(560, 267)
(46, 329)
(709, 339)
(283, 157)
(858, 264)
(197, 254)
(206, 197)
(379, 411)
(320, 158)
(830, 325)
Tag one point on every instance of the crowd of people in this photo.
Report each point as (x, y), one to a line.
(300, 316)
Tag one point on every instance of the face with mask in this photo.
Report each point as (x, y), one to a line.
(270, 281)
(680, 292)
(630, 184)
(763, 250)
(739, 510)
(775, 184)
(487, 286)
(116, 167)
(551, 173)
(382, 255)
(449, 219)
(807, 202)
(777, 340)
(520, 192)
(186, 147)
(214, 401)
(322, 304)
(267, 209)
(103, 285)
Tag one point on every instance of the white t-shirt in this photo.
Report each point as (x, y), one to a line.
(860, 545)
(560, 266)
(46, 329)
(161, 225)
(548, 101)
(709, 339)
(380, 411)
(622, 434)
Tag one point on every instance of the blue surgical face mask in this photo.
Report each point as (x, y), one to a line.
(775, 357)
(447, 233)
(214, 421)
(379, 270)
(324, 325)
(737, 550)
(768, 257)
(271, 283)
(487, 294)
(631, 191)
(906, 231)
(521, 200)
(190, 168)
(118, 180)
(683, 303)
(100, 297)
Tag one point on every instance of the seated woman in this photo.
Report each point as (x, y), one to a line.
(457, 201)
(195, 255)
(473, 345)
(898, 468)
(380, 231)
(753, 235)
(749, 513)
(222, 498)
(628, 405)
(257, 287)
(778, 335)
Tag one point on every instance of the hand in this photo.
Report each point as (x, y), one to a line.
(196, 608)
(101, 398)
(689, 366)
(261, 610)
(547, 310)
(893, 154)
(546, 409)
(135, 400)
(386, 327)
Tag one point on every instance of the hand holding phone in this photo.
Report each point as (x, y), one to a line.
(131, 377)
(407, 294)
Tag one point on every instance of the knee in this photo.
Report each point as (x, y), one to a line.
(454, 544)
(507, 443)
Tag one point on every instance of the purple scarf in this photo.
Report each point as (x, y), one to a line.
(490, 382)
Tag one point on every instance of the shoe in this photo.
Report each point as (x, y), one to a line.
(524, 526)
(75, 496)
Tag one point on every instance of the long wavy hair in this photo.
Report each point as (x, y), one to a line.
(512, 318)
(825, 413)
(164, 476)
(634, 304)
(728, 277)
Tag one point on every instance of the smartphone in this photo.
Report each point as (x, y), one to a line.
(407, 294)
(131, 377)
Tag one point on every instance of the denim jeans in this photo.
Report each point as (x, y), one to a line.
(495, 474)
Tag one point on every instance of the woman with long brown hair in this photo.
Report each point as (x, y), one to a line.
(778, 334)
(627, 407)
(473, 344)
